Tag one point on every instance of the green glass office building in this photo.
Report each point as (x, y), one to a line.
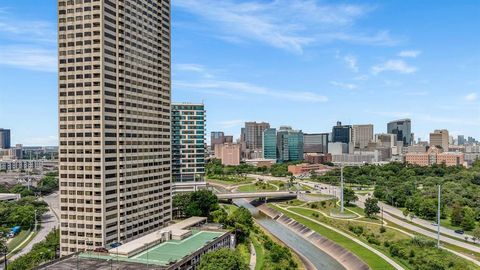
(270, 143)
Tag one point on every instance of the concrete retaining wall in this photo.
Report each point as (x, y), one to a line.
(347, 259)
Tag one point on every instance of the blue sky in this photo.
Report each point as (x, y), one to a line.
(303, 63)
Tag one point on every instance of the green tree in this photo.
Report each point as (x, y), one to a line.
(468, 222)
(349, 196)
(476, 233)
(197, 203)
(23, 216)
(219, 216)
(222, 259)
(371, 207)
(241, 219)
(457, 215)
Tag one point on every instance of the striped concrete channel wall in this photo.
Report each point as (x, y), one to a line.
(343, 256)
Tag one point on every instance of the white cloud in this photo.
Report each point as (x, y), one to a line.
(234, 87)
(284, 24)
(189, 67)
(411, 54)
(349, 86)
(351, 62)
(231, 123)
(394, 65)
(27, 57)
(471, 97)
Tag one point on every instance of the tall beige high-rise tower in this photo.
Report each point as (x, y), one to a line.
(114, 119)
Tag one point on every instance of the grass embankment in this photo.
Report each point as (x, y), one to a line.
(17, 240)
(374, 261)
(259, 251)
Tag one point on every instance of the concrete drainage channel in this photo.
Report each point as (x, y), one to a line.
(343, 256)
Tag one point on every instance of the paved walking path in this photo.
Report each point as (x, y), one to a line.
(253, 257)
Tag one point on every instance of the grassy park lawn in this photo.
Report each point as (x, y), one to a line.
(233, 181)
(257, 187)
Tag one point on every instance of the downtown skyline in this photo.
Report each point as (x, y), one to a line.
(363, 63)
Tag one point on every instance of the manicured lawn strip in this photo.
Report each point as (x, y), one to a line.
(230, 183)
(370, 258)
(17, 240)
(254, 188)
(260, 252)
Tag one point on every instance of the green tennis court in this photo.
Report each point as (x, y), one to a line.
(173, 250)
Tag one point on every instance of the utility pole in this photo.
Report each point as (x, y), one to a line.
(382, 217)
(341, 187)
(438, 217)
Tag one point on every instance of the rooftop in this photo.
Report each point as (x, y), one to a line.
(165, 253)
(139, 244)
(156, 257)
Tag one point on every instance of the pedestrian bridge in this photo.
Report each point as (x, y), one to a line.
(251, 195)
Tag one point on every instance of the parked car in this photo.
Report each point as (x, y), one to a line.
(459, 231)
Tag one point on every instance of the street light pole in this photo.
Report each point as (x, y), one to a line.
(341, 188)
(438, 217)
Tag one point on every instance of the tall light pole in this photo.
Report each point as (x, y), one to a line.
(341, 188)
(438, 217)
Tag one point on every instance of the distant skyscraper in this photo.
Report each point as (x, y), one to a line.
(316, 143)
(402, 129)
(289, 144)
(461, 140)
(342, 133)
(252, 136)
(440, 138)
(216, 137)
(114, 121)
(188, 142)
(5, 138)
(270, 143)
(362, 135)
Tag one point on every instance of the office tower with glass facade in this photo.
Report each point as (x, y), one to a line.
(402, 129)
(188, 142)
(114, 121)
(270, 143)
(342, 133)
(316, 143)
(5, 138)
(289, 144)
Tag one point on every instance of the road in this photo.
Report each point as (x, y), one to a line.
(334, 190)
(48, 223)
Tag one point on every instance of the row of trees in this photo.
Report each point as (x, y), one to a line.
(215, 170)
(21, 213)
